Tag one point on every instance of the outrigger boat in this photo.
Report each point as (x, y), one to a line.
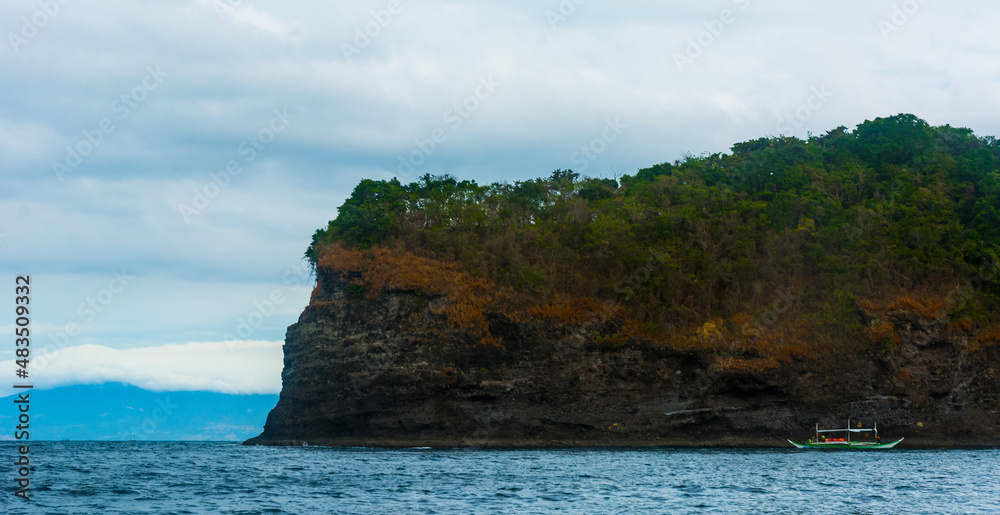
(824, 442)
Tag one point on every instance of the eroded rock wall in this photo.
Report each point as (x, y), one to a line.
(385, 371)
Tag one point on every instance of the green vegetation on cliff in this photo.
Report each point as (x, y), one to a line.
(826, 232)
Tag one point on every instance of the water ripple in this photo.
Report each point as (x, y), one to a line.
(172, 477)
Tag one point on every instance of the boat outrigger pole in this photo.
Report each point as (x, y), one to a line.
(846, 442)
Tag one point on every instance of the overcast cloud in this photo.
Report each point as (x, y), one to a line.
(235, 367)
(195, 145)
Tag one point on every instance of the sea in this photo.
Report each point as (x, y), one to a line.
(176, 477)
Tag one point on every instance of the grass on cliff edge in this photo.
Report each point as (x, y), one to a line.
(781, 247)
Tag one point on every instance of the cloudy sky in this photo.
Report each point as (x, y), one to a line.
(165, 164)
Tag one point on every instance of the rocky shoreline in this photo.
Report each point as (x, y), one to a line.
(723, 443)
(376, 372)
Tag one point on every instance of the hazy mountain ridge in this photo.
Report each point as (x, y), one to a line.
(123, 412)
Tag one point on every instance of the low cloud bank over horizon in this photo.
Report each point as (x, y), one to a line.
(234, 367)
(196, 145)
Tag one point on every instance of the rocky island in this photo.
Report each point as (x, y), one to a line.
(723, 300)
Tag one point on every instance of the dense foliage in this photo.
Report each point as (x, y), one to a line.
(779, 227)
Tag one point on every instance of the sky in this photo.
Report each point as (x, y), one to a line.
(165, 164)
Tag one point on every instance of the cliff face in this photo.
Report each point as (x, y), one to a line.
(387, 368)
(732, 298)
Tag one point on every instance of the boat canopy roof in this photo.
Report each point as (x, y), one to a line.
(858, 430)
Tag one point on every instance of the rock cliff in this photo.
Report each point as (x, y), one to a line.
(387, 367)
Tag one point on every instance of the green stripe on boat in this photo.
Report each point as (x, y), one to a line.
(822, 442)
(857, 446)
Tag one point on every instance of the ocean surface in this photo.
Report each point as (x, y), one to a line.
(167, 477)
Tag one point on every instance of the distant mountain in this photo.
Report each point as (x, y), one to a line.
(123, 412)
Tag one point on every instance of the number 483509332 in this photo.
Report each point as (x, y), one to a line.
(22, 299)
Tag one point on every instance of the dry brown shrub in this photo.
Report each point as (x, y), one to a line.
(929, 307)
(572, 311)
(987, 338)
(316, 290)
(711, 330)
(383, 270)
(883, 332)
(745, 344)
(963, 325)
(926, 308)
(732, 365)
(869, 307)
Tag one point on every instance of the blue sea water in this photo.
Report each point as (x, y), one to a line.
(173, 477)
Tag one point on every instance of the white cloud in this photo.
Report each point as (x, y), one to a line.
(120, 207)
(248, 15)
(238, 367)
(22, 142)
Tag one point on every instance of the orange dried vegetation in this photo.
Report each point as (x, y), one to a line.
(733, 365)
(384, 270)
(745, 345)
(926, 308)
(869, 307)
(573, 311)
(929, 308)
(316, 289)
(963, 325)
(988, 338)
(883, 332)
